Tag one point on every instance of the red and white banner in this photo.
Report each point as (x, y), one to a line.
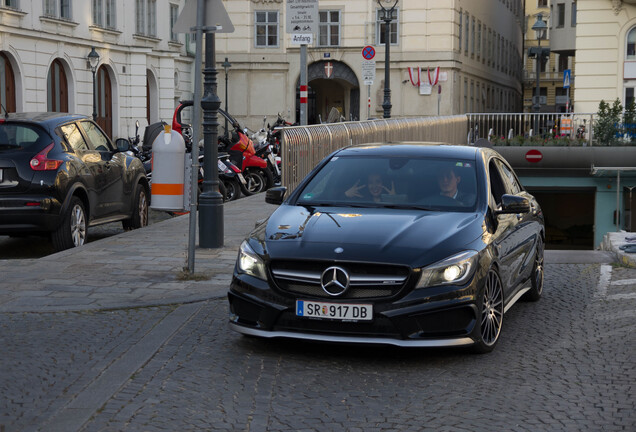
(434, 80)
(415, 76)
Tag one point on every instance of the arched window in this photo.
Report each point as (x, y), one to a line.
(7, 85)
(631, 45)
(57, 88)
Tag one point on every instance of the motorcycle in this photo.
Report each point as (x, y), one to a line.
(142, 151)
(263, 145)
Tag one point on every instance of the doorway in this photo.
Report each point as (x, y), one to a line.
(104, 101)
(333, 89)
(569, 217)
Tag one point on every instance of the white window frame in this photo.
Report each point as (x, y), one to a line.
(105, 13)
(327, 25)
(54, 8)
(379, 27)
(146, 17)
(267, 24)
(174, 14)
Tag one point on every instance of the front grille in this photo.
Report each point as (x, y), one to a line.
(366, 281)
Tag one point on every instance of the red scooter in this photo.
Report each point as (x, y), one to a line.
(237, 144)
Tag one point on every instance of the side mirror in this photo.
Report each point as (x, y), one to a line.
(275, 195)
(122, 144)
(511, 204)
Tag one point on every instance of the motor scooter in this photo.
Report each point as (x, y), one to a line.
(240, 149)
(141, 151)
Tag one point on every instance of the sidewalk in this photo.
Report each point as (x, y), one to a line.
(132, 269)
(141, 267)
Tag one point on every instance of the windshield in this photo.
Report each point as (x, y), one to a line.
(18, 136)
(422, 183)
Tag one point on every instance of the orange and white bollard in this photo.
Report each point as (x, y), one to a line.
(168, 171)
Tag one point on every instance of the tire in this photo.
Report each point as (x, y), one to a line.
(269, 177)
(491, 313)
(139, 218)
(536, 279)
(256, 181)
(232, 189)
(72, 232)
(223, 190)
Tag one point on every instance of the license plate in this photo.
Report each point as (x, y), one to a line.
(335, 311)
(241, 178)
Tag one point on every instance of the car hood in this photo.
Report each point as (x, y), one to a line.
(409, 237)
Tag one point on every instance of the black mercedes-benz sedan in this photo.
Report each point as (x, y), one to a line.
(407, 244)
(60, 173)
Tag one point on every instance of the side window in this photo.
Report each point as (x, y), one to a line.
(513, 185)
(497, 187)
(97, 140)
(74, 137)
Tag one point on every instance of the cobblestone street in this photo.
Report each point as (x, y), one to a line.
(564, 363)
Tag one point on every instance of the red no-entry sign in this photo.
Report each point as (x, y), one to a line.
(534, 156)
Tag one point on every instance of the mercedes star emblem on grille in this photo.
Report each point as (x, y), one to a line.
(334, 281)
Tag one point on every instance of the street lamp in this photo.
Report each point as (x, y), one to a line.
(540, 28)
(226, 67)
(93, 61)
(387, 17)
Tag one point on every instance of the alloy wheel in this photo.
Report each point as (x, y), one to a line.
(538, 269)
(143, 209)
(492, 309)
(78, 225)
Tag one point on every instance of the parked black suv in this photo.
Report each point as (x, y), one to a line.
(60, 174)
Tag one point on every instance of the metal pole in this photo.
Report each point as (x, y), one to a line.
(211, 200)
(537, 106)
(386, 105)
(303, 85)
(195, 135)
(227, 68)
(618, 199)
(94, 95)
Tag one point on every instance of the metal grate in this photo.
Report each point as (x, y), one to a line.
(367, 281)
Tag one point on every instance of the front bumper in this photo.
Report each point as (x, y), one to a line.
(435, 317)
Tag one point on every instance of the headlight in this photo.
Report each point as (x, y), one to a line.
(454, 270)
(250, 263)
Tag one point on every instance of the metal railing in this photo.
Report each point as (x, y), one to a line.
(552, 129)
(303, 147)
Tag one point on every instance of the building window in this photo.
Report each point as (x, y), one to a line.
(266, 29)
(56, 88)
(104, 13)
(466, 27)
(542, 3)
(629, 96)
(472, 38)
(573, 17)
(380, 28)
(146, 17)
(631, 45)
(58, 8)
(461, 15)
(329, 28)
(560, 15)
(479, 40)
(14, 4)
(174, 14)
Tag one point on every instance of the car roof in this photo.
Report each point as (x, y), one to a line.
(412, 149)
(50, 119)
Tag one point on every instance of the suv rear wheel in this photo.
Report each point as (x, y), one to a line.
(72, 231)
(139, 218)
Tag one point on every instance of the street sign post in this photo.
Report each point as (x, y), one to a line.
(368, 72)
(567, 76)
(302, 19)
